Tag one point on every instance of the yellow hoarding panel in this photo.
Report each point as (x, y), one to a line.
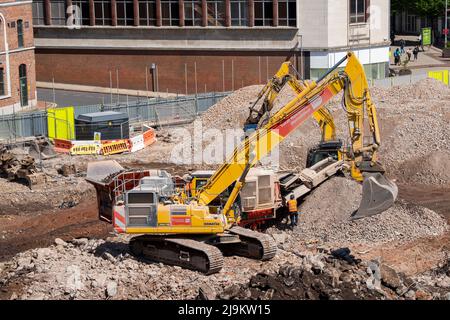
(441, 76)
(61, 123)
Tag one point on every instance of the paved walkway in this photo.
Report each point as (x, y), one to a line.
(430, 58)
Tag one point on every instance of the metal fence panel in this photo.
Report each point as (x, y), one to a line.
(154, 110)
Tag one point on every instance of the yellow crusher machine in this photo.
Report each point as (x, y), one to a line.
(193, 233)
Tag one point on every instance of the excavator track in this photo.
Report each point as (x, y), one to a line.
(254, 245)
(186, 253)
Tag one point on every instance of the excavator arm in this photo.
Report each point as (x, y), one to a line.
(271, 91)
(378, 193)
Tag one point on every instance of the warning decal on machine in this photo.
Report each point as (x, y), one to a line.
(180, 221)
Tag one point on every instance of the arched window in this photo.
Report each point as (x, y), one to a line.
(20, 33)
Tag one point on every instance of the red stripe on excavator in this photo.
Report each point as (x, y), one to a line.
(300, 116)
(119, 229)
(117, 216)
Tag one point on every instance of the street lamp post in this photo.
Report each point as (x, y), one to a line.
(446, 23)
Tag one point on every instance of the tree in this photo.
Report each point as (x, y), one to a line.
(423, 8)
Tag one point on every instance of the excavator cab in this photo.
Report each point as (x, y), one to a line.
(323, 150)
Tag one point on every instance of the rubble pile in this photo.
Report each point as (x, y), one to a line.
(335, 276)
(232, 111)
(57, 193)
(99, 269)
(325, 217)
(437, 278)
(19, 167)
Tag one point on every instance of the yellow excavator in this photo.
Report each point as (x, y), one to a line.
(194, 234)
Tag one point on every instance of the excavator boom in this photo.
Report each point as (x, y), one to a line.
(378, 192)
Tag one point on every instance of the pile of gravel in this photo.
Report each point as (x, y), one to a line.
(326, 218)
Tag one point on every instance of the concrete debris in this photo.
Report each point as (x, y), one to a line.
(111, 289)
(67, 169)
(60, 242)
(206, 293)
(75, 271)
(389, 277)
(55, 194)
(338, 279)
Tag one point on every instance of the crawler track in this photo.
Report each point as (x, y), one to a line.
(253, 244)
(186, 253)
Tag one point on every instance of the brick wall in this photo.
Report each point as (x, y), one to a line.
(17, 56)
(89, 67)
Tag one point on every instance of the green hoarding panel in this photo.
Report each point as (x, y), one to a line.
(426, 36)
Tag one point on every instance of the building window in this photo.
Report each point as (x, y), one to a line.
(238, 12)
(58, 12)
(358, 11)
(20, 33)
(193, 13)
(125, 12)
(38, 13)
(411, 23)
(263, 13)
(216, 12)
(23, 85)
(287, 13)
(102, 12)
(147, 12)
(170, 13)
(82, 8)
(2, 82)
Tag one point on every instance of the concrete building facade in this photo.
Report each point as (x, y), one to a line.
(17, 63)
(202, 45)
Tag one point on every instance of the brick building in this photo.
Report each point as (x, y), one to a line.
(202, 45)
(17, 64)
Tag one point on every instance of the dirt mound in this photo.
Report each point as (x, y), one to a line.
(326, 218)
(431, 169)
(232, 111)
(423, 90)
(58, 193)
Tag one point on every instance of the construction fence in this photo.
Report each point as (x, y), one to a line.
(57, 123)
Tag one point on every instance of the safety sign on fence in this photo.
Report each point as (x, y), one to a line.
(85, 149)
(115, 147)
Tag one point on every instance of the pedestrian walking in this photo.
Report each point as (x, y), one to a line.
(416, 53)
(397, 56)
(293, 211)
(420, 44)
(409, 54)
(402, 46)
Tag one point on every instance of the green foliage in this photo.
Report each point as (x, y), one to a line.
(430, 8)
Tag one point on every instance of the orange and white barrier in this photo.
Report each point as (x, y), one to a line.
(105, 147)
(62, 146)
(119, 146)
(149, 137)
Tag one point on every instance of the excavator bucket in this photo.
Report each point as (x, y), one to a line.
(378, 195)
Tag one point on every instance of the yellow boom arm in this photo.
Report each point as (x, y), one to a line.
(310, 101)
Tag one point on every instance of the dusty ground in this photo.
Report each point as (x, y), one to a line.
(414, 119)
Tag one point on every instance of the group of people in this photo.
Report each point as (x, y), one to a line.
(409, 53)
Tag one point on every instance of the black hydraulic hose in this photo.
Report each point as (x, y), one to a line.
(333, 68)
